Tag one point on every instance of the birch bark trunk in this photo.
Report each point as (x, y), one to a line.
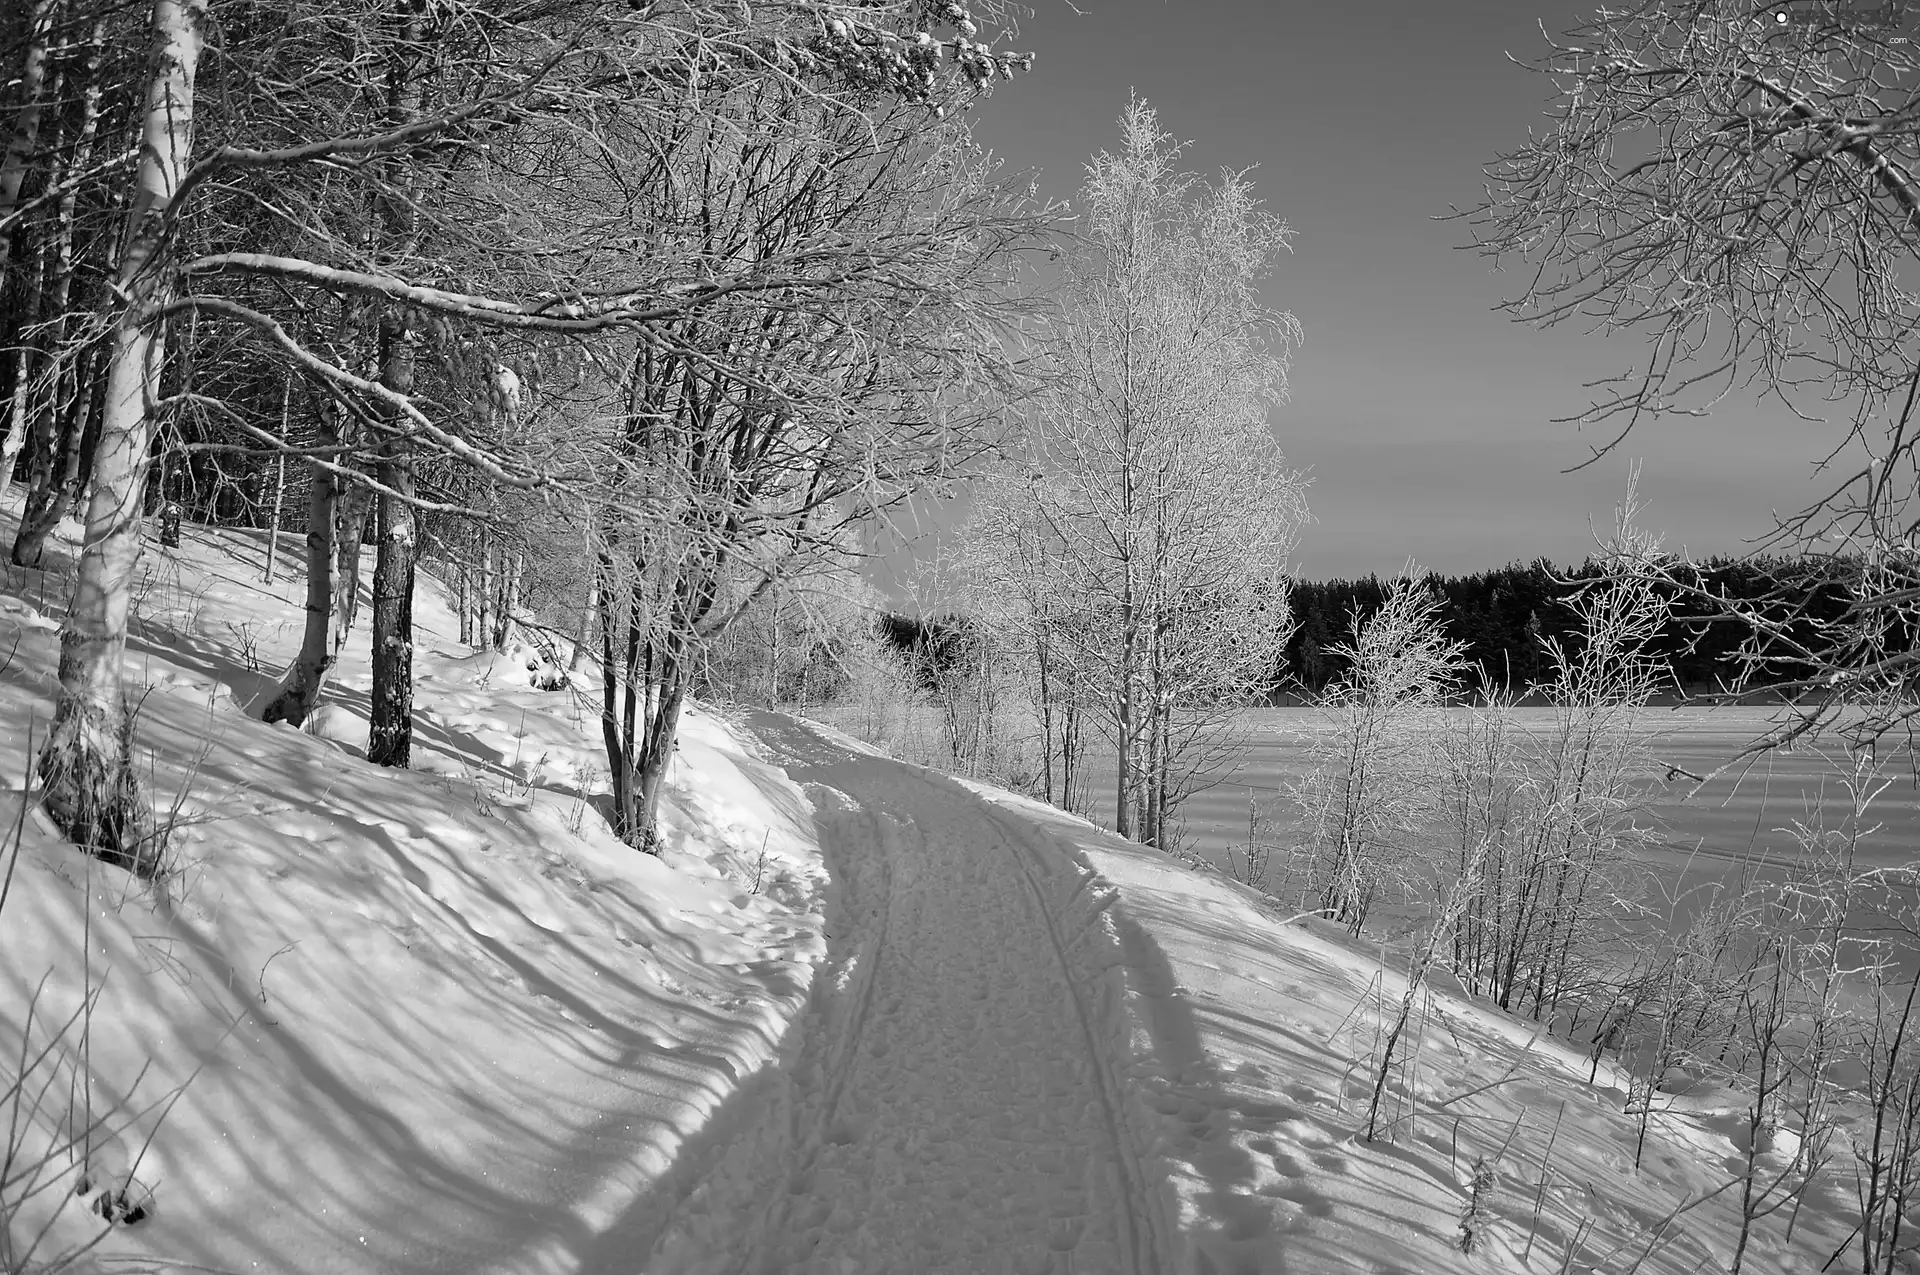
(333, 541)
(279, 482)
(88, 785)
(390, 733)
(26, 124)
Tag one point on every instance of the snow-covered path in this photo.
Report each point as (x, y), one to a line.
(953, 1104)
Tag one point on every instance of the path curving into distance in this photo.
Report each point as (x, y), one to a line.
(952, 1101)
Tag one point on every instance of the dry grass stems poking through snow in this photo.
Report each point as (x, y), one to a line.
(66, 1179)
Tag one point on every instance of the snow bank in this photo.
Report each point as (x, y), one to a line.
(380, 1021)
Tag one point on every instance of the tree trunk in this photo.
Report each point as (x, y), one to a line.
(663, 729)
(578, 659)
(330, 524)
(773, 655)
(50, 494)
(616, 734)
(508, 602)
(1070, 727)
(461, 601)
(86, 769)
(350, 538)
(483, 593)
(20, 406)
(43, 505)
(1125, 727)
(279, 482)
(390, 734)
(26, 124)
(668, 692)
(170, 510)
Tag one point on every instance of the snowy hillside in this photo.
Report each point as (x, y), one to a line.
(429, 1020)
(860, 1017)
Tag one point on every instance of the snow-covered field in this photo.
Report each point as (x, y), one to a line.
(860, 1017)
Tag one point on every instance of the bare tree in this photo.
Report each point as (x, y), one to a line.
(762, 432)
(373, 163)
(1736, 182)
(1007, 569)
(1165, 493)
(1368, 793)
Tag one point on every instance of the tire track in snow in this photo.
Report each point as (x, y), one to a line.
(860, 966)
(1140, 1210)
(947, 1104)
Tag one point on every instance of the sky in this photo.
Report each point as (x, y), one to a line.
(1425, 418)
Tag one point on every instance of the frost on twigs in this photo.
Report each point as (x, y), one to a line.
(908, 63)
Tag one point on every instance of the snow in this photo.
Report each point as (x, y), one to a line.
(953, 1105)
(858, 1017)
(422, 1024)
(987, 946)
(1252, 1039)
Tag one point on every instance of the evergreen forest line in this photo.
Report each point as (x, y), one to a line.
(1505, 618)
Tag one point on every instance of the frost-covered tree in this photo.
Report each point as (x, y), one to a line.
(760, 429)
(382, 199)
(1369, 792)
(1736, 183)
(1148, 555)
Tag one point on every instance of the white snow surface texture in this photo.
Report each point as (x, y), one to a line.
(859, 1019)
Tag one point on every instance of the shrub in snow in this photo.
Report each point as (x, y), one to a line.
(1368, 794)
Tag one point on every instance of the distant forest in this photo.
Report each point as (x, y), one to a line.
(1504, 616)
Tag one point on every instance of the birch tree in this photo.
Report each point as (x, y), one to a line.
(1166, 495)
(1368, 793)
(85, 769)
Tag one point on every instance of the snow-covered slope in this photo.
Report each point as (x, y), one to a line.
(1254, 1039)
(436, 1020)
(1052, 1050)
(860, 1018)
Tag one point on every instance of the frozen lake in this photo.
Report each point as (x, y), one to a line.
(1741, 818)
(1738, 817)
